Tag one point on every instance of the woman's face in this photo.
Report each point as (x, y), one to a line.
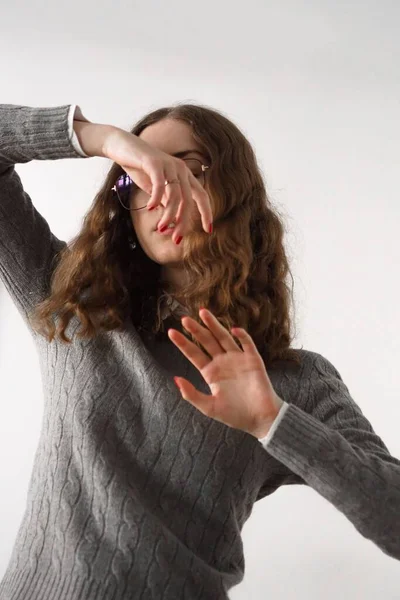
(171, 137)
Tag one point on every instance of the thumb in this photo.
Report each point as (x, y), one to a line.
(199, 400)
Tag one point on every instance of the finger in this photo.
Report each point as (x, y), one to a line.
(140, 180)
(206, 338)
(155, 169)
(192, 192)
(203, 402)
(246, 340)
(223, 336)
(173, 196)
(190, 350)
(182, 216)
(202, 199)
(185, 211)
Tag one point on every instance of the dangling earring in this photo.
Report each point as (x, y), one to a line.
(131, 235)
(131, 239)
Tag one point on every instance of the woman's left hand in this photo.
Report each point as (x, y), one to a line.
(242, 393)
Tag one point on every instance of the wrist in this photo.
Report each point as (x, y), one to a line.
(265, 424)
(263, 429)
(92, 136)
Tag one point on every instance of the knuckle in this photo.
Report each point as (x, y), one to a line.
(150, 159)
(180, 162)
(153, 161)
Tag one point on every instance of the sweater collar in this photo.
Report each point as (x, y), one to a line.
(172, 305)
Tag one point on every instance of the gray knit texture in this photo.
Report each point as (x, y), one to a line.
(134, 493)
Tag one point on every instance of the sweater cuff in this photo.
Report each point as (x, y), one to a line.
(75, 113)
(265, 440)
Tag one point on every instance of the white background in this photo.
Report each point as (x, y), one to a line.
(315, 86)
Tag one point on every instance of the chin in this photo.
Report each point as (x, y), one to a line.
(164, 256)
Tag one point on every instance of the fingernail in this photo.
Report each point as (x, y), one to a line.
(210, 228)
(163, 228)
(178, 240)
(152, 208)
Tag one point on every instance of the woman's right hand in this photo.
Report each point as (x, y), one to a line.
(149, 168)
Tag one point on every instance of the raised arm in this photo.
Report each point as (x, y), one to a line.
(27, 245)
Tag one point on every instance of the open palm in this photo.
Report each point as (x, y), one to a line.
(242, 393)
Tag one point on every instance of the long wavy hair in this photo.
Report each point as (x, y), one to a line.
(238, 272)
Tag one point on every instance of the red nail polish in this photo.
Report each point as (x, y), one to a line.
(178, 240)
(210, 228)
(163, 228)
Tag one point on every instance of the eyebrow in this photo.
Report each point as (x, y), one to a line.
(185, 152)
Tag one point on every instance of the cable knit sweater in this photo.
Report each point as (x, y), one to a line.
(135, 493)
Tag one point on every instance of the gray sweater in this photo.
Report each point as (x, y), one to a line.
(135, 493)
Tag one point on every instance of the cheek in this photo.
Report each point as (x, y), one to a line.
(140, 222)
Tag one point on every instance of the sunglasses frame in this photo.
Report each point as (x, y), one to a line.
(127, 183)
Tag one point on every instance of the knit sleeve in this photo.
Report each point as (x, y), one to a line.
(334, 449)
(27, 245)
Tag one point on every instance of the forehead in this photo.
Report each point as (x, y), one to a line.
(170, 136)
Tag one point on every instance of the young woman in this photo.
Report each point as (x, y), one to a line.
(140, 489)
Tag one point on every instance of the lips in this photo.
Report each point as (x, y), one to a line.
(170, 228)
(168, 231)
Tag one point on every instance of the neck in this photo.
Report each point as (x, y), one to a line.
(172, 278)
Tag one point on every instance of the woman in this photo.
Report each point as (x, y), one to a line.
(138, 489)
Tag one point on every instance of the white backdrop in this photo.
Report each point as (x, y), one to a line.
(315, 86)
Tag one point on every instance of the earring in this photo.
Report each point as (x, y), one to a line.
(132, 243)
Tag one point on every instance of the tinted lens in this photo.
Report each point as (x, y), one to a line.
(125, 184)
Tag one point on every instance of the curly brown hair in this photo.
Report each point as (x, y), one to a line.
(238, 273)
